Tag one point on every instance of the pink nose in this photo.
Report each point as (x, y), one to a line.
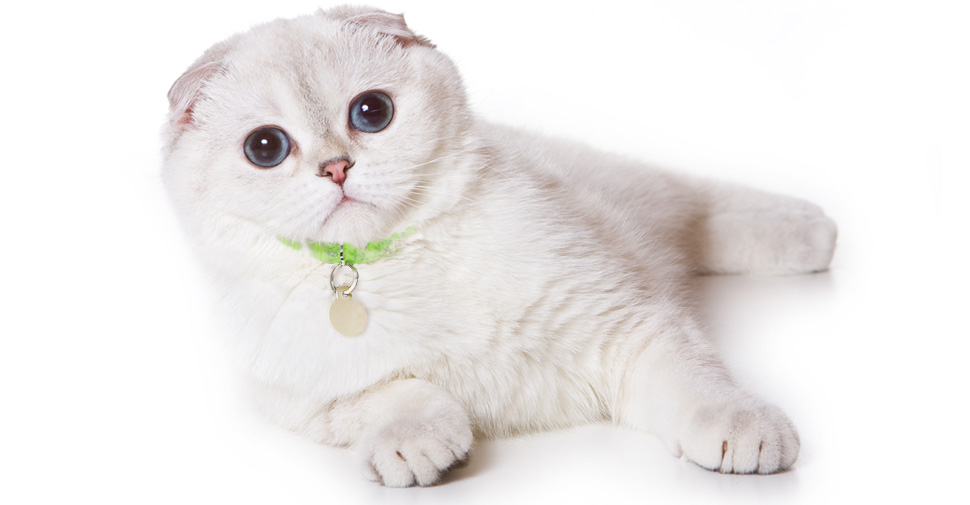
(336, 170)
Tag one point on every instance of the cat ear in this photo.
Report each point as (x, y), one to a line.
(385, 23)
(186, 91)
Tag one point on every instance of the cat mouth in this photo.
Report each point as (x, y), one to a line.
(346, 202)
(346, 199)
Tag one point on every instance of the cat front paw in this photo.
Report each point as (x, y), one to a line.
(417, 451)
(751, 437)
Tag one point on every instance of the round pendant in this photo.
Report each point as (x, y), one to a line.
(347, 316)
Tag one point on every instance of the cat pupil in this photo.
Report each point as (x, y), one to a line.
(267, 147)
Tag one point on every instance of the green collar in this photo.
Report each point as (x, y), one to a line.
(329, 252)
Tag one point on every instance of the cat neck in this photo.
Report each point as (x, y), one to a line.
(344, 252)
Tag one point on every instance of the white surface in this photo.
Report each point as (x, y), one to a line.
(113, 388)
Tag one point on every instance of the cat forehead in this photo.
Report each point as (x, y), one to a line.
(316, 50)
(302, 71)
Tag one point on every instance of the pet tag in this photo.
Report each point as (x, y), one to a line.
(347, 316)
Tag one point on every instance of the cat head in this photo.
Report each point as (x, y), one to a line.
(341, 126)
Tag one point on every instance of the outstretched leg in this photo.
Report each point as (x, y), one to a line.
(743, 230)
(729, 229)
(677, 389)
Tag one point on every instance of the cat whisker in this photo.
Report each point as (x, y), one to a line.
(446, 156)
(439, 192)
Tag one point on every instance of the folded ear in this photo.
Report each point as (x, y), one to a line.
(384, 23)
(187, 89)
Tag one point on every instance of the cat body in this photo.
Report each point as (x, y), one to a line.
(543, 283)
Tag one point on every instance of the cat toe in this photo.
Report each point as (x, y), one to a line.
(391, 469)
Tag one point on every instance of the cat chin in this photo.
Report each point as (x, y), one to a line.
(352, 221)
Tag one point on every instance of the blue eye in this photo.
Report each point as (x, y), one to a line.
(371, 112)
(267, 147)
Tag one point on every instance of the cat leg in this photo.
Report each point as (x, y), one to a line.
(743, 230)
(677, 389)
(407, 432)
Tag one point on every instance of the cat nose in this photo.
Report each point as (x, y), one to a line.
(336, 169)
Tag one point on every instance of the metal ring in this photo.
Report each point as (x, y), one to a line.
(353, 284)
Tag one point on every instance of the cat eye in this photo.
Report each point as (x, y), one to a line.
(267, 147)
(371, 112)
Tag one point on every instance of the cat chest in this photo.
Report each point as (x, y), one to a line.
(417, 314)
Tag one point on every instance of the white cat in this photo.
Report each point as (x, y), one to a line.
(504, 290)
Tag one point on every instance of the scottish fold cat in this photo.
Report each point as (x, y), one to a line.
(401, 278)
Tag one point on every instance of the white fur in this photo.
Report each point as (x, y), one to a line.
(531, 297)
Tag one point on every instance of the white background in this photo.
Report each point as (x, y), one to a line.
(112, 387)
